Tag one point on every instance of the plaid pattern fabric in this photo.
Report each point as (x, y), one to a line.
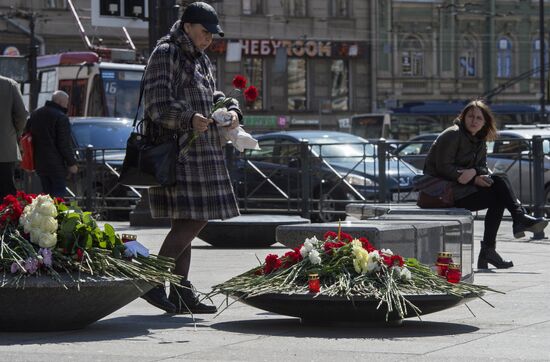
(179, 83)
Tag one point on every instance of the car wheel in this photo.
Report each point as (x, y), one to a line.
(327, 205)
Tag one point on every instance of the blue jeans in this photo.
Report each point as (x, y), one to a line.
(53, 185)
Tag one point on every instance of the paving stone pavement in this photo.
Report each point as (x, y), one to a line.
(516, 326)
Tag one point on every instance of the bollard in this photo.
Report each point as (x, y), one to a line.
(538, 180)
(382, 179)
(306, 192)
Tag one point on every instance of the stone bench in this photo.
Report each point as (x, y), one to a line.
(368, 211)
(251, 230)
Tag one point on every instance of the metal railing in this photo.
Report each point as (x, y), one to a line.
(308, 180)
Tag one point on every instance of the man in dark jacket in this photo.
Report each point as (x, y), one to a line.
(51, 138)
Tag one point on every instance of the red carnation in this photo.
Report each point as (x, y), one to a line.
(366, 244)
(250, 94)
(291, 257)
(272, 263)
(239, 82)
(344, 236)
(329, 246)
(330, 234)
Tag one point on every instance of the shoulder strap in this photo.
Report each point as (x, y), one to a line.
(141, 87)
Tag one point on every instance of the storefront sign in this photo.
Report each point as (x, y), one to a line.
(304, 122)
(294, 48)
(260, 121)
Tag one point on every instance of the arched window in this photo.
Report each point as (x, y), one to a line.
(412, 57)
(535, 56)
(467, 58)
(504, 58)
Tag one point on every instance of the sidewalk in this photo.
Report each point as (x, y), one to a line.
(517, 328)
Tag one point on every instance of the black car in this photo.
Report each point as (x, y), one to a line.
(415, 150)
(334, 169)
(100, 146)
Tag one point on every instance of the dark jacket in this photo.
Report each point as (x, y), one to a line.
(51, 138)
(455, 149)
(13, 117)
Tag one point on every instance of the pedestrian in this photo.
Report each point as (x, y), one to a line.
(13, 117)
(460, 154)
(179, 91)
(54, 156)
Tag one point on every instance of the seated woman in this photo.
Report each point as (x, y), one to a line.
(460, 154)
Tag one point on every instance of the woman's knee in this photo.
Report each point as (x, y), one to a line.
(187, 225)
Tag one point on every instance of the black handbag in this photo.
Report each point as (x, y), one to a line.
(149, 161)
(434, 192)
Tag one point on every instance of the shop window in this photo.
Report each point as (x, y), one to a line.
(296, 7)
(339, 8)
(252, 7)
(412, 57)
(504, 58)
(467, 59)
(254, 72)
(535, 56)
(340, 85)
(297, 85)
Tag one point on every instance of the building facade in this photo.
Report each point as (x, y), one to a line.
(448, 50)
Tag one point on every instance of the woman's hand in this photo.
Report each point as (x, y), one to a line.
(234, 120)
(483, 181)
(466, 175)
(200, 123)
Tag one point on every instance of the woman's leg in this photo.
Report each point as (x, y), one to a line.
(492, 199)
(177, 244)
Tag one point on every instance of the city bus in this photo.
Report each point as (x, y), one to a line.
(413, 119)
(95, 87)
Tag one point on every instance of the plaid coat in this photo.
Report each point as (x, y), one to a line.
(178, 83)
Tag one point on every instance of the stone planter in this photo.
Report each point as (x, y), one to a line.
(325, 309)
(43, 304)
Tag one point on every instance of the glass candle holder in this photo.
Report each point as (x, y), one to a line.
(441, 269)
(128, 237)
(453, 273)
(444, 257)
(314, 283)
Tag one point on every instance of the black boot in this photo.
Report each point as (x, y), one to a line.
(186, 300)
(524, 222)
(488, 255)
(157, 297)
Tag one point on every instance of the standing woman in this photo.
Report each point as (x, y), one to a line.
(460, 154)
(179, 91)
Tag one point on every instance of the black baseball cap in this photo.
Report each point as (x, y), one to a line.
(204, 14)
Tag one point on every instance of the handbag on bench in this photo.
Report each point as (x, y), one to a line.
(434, 192)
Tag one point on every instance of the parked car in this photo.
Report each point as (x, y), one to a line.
(414, 151)
(106, 137)
(342, 167)
(511, 153)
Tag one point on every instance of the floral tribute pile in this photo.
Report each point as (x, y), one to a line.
(42, 235)
(347, 267)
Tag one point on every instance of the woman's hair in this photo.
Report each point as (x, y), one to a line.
(489, 130)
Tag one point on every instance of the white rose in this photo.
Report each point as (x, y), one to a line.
(386, 251)
(314, 257)
(27, 226)
(36, 234)
(49, 224)
(48, 240)
(36, 220)
(47, 209)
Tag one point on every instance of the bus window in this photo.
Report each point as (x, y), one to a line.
(121, 89)
(76, 89)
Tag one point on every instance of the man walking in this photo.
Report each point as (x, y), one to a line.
(51, 138)
(13, 117)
